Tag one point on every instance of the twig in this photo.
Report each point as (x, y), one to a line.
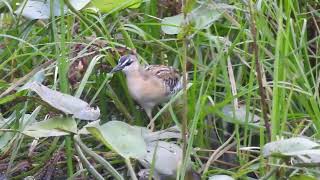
(223, 148)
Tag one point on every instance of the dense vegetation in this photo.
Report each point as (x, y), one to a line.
(250, 108)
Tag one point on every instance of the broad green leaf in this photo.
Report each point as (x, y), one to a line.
(38, 77)
(121, 137)
(291, 146)
(239, 114)
(57, 126)
(5, 139)
(64, 102)
(172, 25)
(201, 17)
(172, 132)
(167, 157)
(44, 133)
(304, 156)
(61, 123)
(40, 9)
(5, 122)
(219, 39)
(204, 15)
(112, 5)
(221, 177)
(84, 130)
(308, 152)
(28, 119)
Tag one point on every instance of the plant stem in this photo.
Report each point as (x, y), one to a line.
(98, 158)
(69, 152)
(63, 66)
(90, 168)
(185, 96)
(186, 6)
(185, 100)
(262, 92)
(132, 173)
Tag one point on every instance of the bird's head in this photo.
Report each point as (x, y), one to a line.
(126, 63)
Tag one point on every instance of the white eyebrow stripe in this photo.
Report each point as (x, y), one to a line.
(125, 62)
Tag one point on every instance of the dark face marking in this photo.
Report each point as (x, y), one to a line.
(125, 61)
(122, 63)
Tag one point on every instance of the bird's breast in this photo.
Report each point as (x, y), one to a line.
(146, 90)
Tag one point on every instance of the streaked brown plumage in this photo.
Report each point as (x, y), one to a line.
(149, 85)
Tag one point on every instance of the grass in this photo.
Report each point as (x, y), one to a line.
(263, 55)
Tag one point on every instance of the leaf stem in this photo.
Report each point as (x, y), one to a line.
(132, 173)
(89, 167)
(98, 158)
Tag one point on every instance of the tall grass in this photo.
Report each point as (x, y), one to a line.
(266, 45)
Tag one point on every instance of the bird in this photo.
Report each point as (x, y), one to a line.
(149, 85)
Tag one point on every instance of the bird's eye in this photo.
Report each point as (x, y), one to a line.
(128, 63)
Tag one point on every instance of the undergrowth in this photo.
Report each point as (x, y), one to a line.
(253, 74)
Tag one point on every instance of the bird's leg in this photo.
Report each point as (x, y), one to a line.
(151, 124)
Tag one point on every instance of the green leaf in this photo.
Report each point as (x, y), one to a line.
(8, 123)
(84, 130)
(201, 17)
(5, 139)
(172, 25)
(289, 146)
(167, 157)
(172, 132)
(220, 177)
(112, 5)
(40, 9)
(122, 138)
(44, 133)
(11, 97)
(64, 102)
(3, 84)
(27, 119)
(239, 114)
(302, 177)
(57, 126)
(205, 15)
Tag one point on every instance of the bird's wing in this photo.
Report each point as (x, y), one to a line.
(169, 75)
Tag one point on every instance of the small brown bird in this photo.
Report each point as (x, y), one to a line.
(149, 85)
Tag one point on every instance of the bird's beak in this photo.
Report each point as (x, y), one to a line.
(115, 69)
